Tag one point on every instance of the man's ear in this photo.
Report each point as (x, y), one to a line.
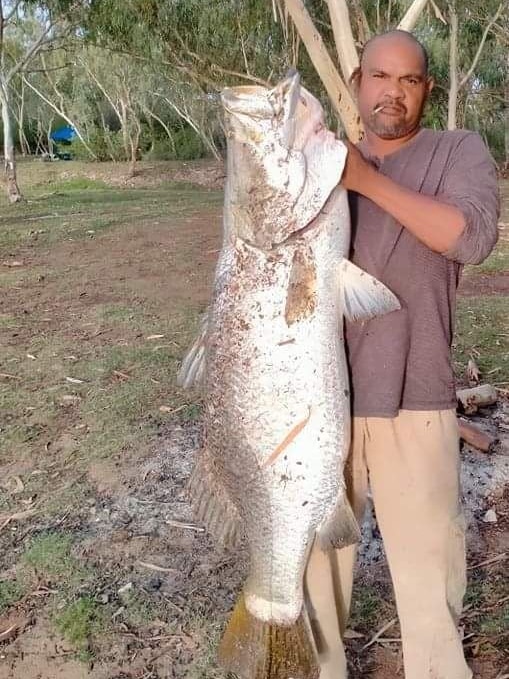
(355, 80)
(430, 84)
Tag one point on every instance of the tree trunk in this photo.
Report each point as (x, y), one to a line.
(338, 92)
(23, 141)
(13, 192)
(343, 37)
(453, 69)
(506, 164)
(134, 142)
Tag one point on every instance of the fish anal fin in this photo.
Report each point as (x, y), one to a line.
(363, 296)
(340, 528)
(254, 649)
(212, 505)
(192, 370)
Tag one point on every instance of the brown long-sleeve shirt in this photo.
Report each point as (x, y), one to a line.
(403, 360)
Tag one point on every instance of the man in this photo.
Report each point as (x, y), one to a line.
(423, 204)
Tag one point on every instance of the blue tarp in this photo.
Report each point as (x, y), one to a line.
(66, 133)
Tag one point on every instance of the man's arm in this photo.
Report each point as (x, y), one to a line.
(461, 223)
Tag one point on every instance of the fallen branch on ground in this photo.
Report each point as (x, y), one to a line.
(476, 438)
(491, 560)
(378, 635)
(470, 400)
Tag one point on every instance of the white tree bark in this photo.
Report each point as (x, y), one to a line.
(338, 92)
(412, 15)
(506, 164)
(13, 192)
(452, 104)
(343, 37)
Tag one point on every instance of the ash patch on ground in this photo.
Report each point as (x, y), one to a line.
(484, 476)
(155, 521)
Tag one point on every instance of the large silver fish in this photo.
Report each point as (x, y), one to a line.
(272, 361)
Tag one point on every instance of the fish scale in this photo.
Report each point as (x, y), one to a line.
(275, 379)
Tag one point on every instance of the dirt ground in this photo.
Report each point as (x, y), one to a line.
(103, 571)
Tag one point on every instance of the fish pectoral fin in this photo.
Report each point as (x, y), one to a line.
(254, 649)
(191, 371)
(364, 297)
(340, 528)
(212, 505)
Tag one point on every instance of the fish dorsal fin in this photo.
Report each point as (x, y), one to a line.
(364, 297)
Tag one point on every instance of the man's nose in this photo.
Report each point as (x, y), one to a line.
(395, 90)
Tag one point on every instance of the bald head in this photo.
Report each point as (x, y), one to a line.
(393, 37)
(392, 84)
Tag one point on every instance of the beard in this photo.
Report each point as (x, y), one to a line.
(391, 127)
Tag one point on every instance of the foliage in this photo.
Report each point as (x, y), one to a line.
(139, 78)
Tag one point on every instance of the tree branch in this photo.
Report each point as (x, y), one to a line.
(412, 15)
(338, 92)
(31, 52)
(12, 12)
(62, 114)
(343, 37)
(468, 74)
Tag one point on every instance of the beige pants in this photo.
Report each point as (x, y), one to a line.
(412, 466)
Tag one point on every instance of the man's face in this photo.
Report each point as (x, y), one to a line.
(392, 88)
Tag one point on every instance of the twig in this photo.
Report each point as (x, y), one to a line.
(154, 567)
(493, 559)
(8, 376)
(185, 526)
(381, 631)
(19, 516)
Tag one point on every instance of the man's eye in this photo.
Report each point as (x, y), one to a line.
(412, 81)
(378, 75)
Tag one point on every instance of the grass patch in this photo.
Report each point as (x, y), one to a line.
(71, 212)
(207, 635)
(77, 184)
(78, 622)
(497, 262)
(496, 622)
(367, 605)
(49, 555)
(482, 332)
(10, 592)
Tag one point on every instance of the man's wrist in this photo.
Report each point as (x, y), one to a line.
(368, 182)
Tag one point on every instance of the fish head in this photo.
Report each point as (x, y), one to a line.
(283, 162)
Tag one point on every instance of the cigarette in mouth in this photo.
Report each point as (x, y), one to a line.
(378, 108)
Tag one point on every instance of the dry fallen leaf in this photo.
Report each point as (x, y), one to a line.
(13, 262)
(12, 625)
(352, 634)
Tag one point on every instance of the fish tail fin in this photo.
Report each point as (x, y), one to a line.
(254, 649)
(212, 505)
(340, 528)
(191, 372)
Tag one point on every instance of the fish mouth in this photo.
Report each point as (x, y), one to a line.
(257, 101)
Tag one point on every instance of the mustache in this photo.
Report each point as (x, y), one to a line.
(389, 104)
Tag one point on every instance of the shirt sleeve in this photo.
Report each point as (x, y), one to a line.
(470, 184)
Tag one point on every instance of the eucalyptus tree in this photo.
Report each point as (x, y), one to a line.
(27, 28)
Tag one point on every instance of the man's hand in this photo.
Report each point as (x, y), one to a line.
(436, 224)
(357, 170)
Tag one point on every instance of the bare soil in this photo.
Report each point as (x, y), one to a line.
(130, 521)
